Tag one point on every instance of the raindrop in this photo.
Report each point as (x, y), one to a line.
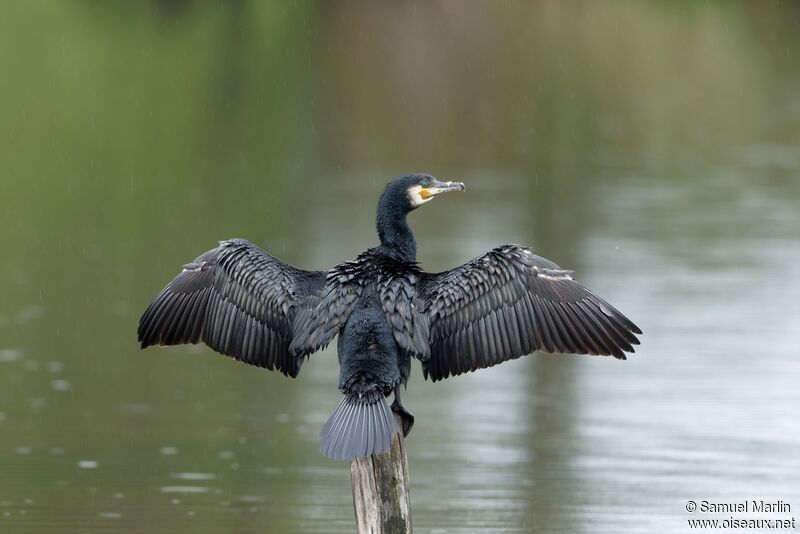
(169, 451)
(55, 367)
(23, 450)
(87, 464)
(225, 455)
(110, 515)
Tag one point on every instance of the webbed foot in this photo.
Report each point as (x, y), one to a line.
(406, 417)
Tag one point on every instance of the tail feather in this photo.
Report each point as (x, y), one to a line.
(359, 427)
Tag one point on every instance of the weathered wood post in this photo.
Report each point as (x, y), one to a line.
(381, 495)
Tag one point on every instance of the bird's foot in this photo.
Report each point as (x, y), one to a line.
(406, 417)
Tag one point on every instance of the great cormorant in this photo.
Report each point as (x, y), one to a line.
(242, 302)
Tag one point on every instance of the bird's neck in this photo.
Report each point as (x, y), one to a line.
(396, 237)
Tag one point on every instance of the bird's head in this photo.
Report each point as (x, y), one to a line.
(413, 190)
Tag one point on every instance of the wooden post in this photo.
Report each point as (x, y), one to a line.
(381, 495)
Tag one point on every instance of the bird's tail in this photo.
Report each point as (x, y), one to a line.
(359, 427)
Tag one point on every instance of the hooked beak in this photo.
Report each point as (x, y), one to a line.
(441, 187)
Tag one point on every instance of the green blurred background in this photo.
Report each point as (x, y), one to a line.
(654, 147)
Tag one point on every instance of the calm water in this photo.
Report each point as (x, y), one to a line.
(651, 148)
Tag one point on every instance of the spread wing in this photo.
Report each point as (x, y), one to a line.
(238, 300)
(508, 303)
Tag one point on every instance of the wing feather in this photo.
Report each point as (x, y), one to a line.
(508, 303)
(238, 300)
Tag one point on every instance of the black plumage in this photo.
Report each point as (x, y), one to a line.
(244, 303)
(239, 301)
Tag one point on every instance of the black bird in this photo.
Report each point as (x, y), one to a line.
(244, 303)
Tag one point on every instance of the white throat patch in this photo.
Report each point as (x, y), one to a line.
(415, 196)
